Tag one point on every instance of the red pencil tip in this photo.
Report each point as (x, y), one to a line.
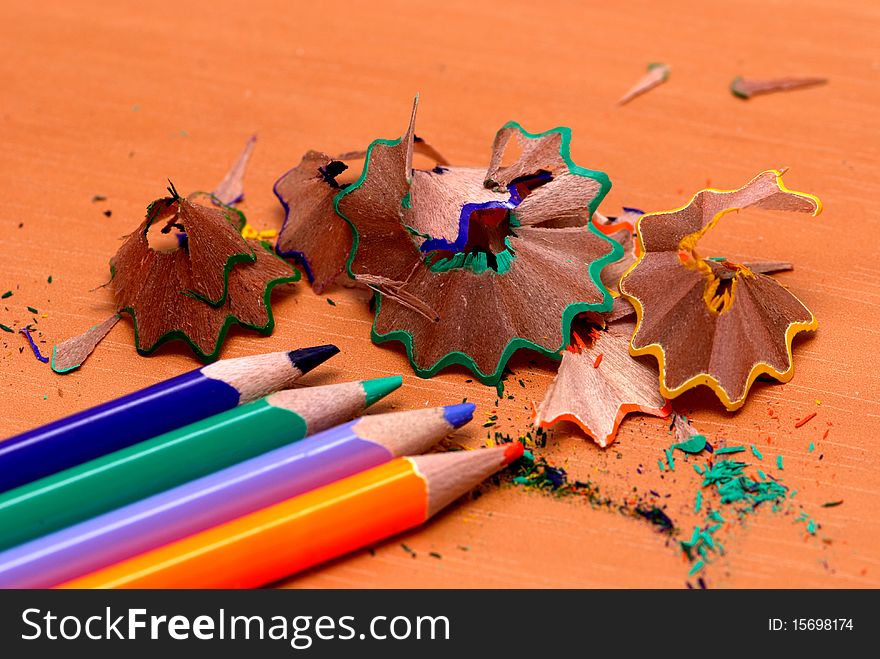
(512, 452)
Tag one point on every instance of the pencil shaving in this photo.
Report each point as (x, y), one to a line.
(709, 321)
(599, 383)
(195, 290)
(503, 258)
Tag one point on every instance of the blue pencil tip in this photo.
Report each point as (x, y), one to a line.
(305, 359)
(458, 415)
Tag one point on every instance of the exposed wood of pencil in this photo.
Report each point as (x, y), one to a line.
(404, 433)
(258, 375)
(323, 407)
(449, 475)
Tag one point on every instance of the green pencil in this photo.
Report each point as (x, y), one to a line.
(176, 457)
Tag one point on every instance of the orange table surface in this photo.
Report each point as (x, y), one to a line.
(112, 99)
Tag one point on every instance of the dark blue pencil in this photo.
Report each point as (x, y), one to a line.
(148, 412)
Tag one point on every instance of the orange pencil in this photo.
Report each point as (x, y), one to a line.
(306, 530)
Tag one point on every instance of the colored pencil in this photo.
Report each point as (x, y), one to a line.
(152, 411)
(227, 494)
(303, 531)
(179, 456)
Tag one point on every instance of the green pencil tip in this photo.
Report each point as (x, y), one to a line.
(380, 387)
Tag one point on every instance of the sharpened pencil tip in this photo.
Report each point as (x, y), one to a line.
(305, 359)
(380, 387)
(458, 415)
(513, 452)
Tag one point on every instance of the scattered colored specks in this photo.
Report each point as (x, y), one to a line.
(728, 477)
(805, 420)
(729, 449)
(535, 473)
(598, 360)
(656, 516)
(331, 302)
(262, 234)
(407, 549)
(832, 504)
(811, 447)
(756, 452)
(6, 295)
(812, 527)
(34, 346)
(670, 460)
(6, 328)
(49, 280)
(779, 462)
(32, 310)
(540, 475)
(742, 493)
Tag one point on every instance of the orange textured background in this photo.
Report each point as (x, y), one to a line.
(112, 98)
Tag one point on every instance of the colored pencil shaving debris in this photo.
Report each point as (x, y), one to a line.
(27, 333)
(687, 436)
(596, 396)
(622, 230)
(70, 354)
(738, 494)
(696, 444)
(313, 234)
(657, 74)
(470, 265)
(805, 420)
(740, 324)
(748, 87)
(195, 287)
(535, 473)
(230, 191)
